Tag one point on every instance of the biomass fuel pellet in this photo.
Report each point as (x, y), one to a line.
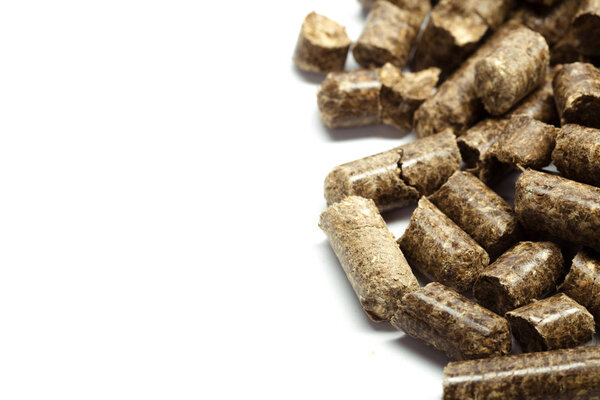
(540, 104)
(577, 94)
(577, 153)
(419, 7)
(397, 177)
(514, 69)
(527, 271)
(442, 251)
(586, 27)
(557, 322)
(322, 46)
(366, 249)
(479, 211)
(553, 375)
(560, 207)
(583, 281)
(451, 323)
(551, 22)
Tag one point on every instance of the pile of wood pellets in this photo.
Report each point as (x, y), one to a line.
(496, 86)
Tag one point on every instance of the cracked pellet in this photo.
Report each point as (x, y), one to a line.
(582, 283)
(397, 177)
(577, 153)
(552, 375)
(449, 322)
(370, 257)
(577, 94)
(525, 272)
(436, 246)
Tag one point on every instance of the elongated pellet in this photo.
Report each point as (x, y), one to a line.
(582, 283)
(577, 94)
(577, 153)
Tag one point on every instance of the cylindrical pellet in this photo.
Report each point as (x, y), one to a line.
(554, 375)
(577, 94)
(557, 322)
(442, 251)
(586, 27)
(583, 281)
(577, 154)
(366, 249)
(525, 272)
(479, 211)
(540, 104)
(512, 70)
(451, 323)
(399, 176)
(322, 46)
(558, 206)
(551, 22)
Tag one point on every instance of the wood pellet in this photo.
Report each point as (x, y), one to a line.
(582, 283)
(577, 94)
(577, 153)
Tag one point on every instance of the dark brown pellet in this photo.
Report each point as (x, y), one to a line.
(525, 272)
(540, 104)
(442, 251)
(553, 375)
(577, 94)
(586, 27)
(366, 249)
(583, 281)
(551, 22)
(451, 323)
(577, 153)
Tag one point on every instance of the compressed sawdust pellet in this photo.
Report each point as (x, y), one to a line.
(586, 27)
(322, 46)
(366, 249)
(442, 251)
(577, 94)
(582, 283)
(553, 375)
(540, 104)
(418, 7)
(526, 142)
(577, 153)
(567, 51)
(551, 22)
(479, 211)
(557, 322)
(560, 207)
(451, 323)
(525, 272)
(513, 70)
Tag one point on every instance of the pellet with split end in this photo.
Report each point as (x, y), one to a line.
(583, 281)
(577, 153)
(577, 94)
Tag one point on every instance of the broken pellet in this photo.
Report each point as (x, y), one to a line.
(577, 153)
(553, 375)
(582, 283)
(442, 251)
(539, 104)
(479, 211)
(557, 322)
(451, 323)
(586, 27)
(525, 272)
(514, 69)
(526, 142)
(397, 177)
(322, 46)
(577, 94)
(366, 249)
(560, 207)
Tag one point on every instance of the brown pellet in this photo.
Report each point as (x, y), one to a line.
(366, 249)
(451, 323)
(551, 22)
(557, 322)
(442, 251)
(586, 27)
(322, 46)
(577, 153)
(553, 375)
(397, 177)
(557, 206)
(583, 281)
(577, 94)
(525, 272)
(513, 70)
(540, 104)
(479, 211)
(418, 7)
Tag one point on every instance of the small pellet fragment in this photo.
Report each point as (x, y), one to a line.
(557, 322)
(582, 283)
(577, 94)
(322, 46)
(397, 177)
(577, 153)
(553, 375)
(540, 104)
(451, 323)
(551, 22)
(525, 272)
(512, 70)
(526, 142)
(586, 27)
(479, 211)
(442, 251)
(366, 249)
(560, 207)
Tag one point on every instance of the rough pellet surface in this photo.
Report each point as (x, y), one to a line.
(553, 375)
(551, 22)
(418, 7)
(540, 104)
(525, 272)
(366, 249)
(586, 27)
(577, 94)
(451, 323)
(583, 281)
(560, 207)
(442, 251)
(577, 153)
